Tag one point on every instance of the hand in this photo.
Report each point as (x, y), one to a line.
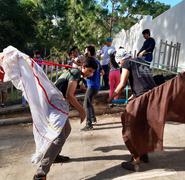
(82, 115)
(140, 55)
(102, 72)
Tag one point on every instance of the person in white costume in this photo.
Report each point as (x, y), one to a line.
(48, 107)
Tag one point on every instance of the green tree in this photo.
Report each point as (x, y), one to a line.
(16, 28)
(123, 12)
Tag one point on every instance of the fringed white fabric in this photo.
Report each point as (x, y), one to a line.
(48, 107)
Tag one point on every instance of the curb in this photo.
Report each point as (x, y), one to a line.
(15, 121)
(73, 113)
(101, 96)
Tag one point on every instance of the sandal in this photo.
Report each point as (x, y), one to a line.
(39, 177)
(131, 165)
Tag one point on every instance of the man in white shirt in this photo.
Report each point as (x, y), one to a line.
(106, 60)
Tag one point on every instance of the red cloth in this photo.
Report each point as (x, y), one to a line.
(1, 74)
(145, 116)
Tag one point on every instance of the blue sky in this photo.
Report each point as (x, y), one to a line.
(170, 2)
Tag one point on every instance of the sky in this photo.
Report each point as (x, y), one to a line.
(170, 2)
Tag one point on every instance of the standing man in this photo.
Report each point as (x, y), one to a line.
(141, 81)
(93, 85)
(148, 47)
(106, 60)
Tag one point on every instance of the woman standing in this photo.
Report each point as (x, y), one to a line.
(114, 75)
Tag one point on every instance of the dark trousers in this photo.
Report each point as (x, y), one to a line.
(148, 57)
(89, 95)
(106, 75)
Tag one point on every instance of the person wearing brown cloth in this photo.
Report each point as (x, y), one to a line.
(145, 116)
(140, 79)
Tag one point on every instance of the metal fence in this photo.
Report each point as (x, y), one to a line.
(168, 56)
(165, 57)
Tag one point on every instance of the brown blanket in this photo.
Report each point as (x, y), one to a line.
(145, 116)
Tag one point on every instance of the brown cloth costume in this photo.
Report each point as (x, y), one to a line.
(145, 116)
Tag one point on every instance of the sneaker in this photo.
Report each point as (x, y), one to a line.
(144, 158)
(2, 105)
(39, 177)
(94, 120)
(131, 166)
(87, 128)
(111, 105)
(61, 159)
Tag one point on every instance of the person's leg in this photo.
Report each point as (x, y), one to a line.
(23, 101)
(87, 107)
(67, 129)
(116, 81)
(61, 158)
(4, 97)
(132, 165)
(53, 150)
(93, 93)
(1, 96)
(90, 93)
(106, 76)
(111, 83)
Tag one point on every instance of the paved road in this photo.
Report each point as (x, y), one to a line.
(96, 155)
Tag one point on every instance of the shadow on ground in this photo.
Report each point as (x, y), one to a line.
(111, 148)
(168, 160)
(99, 158)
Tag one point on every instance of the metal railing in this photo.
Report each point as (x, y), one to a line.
(166, 57)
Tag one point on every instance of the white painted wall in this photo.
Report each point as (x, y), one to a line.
(169, 26)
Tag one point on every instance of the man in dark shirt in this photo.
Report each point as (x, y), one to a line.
(140, 78)
(148, 47)
(137, 72)
(67, 83)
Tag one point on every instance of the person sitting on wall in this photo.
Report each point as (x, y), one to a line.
(148, 47)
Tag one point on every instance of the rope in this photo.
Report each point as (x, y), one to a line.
(49, 63)
(145, 63)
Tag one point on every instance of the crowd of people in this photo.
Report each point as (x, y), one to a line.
(118, 68)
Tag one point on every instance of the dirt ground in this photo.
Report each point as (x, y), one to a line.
(95, 155)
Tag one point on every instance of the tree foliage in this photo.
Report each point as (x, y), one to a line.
(59, 24)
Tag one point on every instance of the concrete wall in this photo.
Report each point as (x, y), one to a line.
(169, 26)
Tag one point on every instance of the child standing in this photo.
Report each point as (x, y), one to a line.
(114, 75)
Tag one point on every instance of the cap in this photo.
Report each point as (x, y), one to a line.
(121, 54)
(109, 39)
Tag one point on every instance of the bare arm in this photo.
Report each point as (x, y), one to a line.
(102, 72)
(70, 95)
